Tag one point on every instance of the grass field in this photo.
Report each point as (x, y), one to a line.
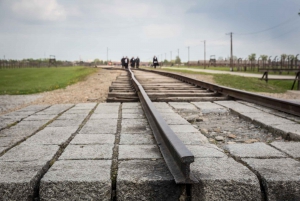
(35, 80)
(244, 83)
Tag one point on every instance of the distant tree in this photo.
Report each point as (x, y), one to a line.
(177, 60)
(264, 58)
(220, 59)
(252, 58)
(283, 57)
(97, 61)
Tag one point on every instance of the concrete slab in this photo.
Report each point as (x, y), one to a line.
(106, 122)
(183, 128)
(35, 108)
(36, 117)
(268, 120)
(104, 116)
(9, 141)
(280, 177)
(3, 149)
(132, 111)
(223, 179)
(291, 148)
(84, 106)
(85, 139)
(17, 131)
(18, 181)
(80, 179)
(74, 116)
(255, 150)
(208, 107)
(87, 152)
(161, 105)
(146, 180)
(237, 107)
(107, 110)
(100, 129)
(178, 121)
(290, 130)
(51, 136)
(133, 116)
(183, 106)
(135, 128)
(84, 112)
(37, 123)
(206, 151)
(28, 152)
(127, 152)
(135, 139)
(66, 122)
(131, 105)
(191, 138)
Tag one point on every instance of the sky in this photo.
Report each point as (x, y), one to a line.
(85, 30)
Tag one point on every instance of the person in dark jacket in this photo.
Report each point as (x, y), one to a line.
(122, 62)
(126, 61)
(155, 62)
(137, 62)
(132, 62)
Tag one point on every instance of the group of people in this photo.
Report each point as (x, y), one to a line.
(134, 62)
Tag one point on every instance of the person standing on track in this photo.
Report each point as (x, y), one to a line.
(122, 62)
(126, 61)
(137, 61)
(155, 62)
(132, 62)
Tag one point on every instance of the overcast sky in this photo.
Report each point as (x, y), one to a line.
(77, 29)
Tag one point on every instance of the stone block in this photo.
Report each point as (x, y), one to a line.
(66, 122)
(29, 152)
(127, 152)
(280, 177)
(51, 136)
(132, 111)
(77, 180)
(133, 116)
(36, 117)
(85, 139)
(87, 152)
(146, 180)
(183, 128)
(255, 150)
(74, 116)
(131, 105)
(183, 106)
(9, 141)
(100, 129)
(290, 130)
(208, 107)
(223, 179)
(191, 138)
(104, 116)
(291, 148)
(206, 151)
(136, 139)
(19, 181)
(132, 129)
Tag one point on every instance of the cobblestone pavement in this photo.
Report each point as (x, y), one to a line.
(96, 151)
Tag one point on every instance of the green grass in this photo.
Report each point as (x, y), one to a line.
(243, 83)
(35, 80)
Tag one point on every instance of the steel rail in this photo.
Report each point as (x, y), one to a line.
(177, 157)
(274, 103)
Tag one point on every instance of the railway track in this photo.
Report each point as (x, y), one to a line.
(160, 86)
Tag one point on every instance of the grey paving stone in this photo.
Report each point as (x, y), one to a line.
(17, 131)
(105, 116)
(36, 117)
(208, 107)
(206, 151)
(9, 141)
(131, 105)
(66, 122)
(100, 129)
(133, 116)
(183, 106)
(280, 177)
(108, 110)
(191, 137)
(127, 122)
(3, 149)
(102, 122)
(37, 123)
(223, 179)
(93, 139)
(34, 108)
(87, 152)
(135, 128)
(71, 116)
(51, 136)
(165, 110)
(77, 180)
(146, 180)
(18, 181)
(71, 111)
(161, 105)
(273, 120)
(291, 148)
(138, 152)
(183, 128)
(255, 150)
(237, 107)
(29, 152)
(178, 121)
(172, 115)
(135, 139)
(85, 106)
(132, 111)
(56, 109)
(292, 130)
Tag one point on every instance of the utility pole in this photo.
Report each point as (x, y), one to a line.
(231, 56)
(107, 57)
(188, 55)
(204, 53)
(178, 53)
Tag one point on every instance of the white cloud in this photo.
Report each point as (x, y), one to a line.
(162, 31)
(41, 10)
